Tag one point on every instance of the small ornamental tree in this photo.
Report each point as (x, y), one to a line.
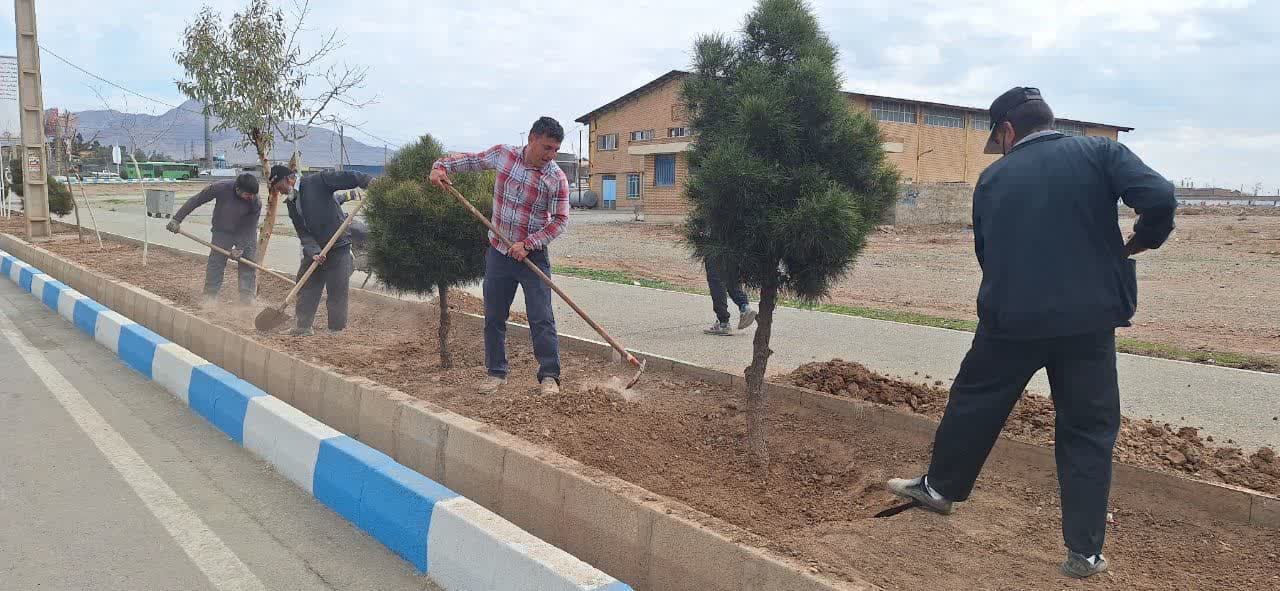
(420, 238)
(785, 180)
(60, 200)
(253, 75)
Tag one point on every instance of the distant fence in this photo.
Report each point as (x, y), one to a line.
(114, 181)
(1254, 202)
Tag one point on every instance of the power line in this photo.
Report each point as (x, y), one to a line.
(366, 132)
(128, 90)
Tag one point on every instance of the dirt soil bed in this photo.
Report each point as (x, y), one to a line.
(684, 439)
(1141, 442)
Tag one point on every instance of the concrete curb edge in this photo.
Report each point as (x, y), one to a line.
(452, 539)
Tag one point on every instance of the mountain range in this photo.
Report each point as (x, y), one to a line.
(180, 133)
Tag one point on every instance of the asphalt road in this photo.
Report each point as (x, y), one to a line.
(1226, 403)
(107, 482)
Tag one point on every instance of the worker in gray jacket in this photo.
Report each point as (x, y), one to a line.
(236, 208)
(1058, 278)
(317, 214)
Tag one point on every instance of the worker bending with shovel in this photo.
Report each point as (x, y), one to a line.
(236, 209)
(531, 208)
(1057, 279)
(317, 215)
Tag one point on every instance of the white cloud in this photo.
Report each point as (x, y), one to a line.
(478, 73)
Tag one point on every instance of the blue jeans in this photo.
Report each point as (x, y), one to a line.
(502, 274)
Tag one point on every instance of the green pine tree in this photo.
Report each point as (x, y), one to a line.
(785, 180)
(60, 200)
(421, 239)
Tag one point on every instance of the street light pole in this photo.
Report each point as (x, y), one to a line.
(31, 106)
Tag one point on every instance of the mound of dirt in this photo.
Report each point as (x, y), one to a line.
(1140, 443)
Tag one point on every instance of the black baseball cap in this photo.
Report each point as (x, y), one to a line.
(279, 173)
(1003, 105)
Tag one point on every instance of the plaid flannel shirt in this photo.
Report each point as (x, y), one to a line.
(530, 206)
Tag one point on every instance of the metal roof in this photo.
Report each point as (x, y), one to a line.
(674, 74)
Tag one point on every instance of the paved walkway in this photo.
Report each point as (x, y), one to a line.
(1227, 403)
(109, 482)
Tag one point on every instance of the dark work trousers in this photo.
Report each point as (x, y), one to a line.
(1086, 399)
(333, 276)
(722, 291)
(502, 274)
(217, 265)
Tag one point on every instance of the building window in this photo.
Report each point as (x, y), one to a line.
(893, 111)
(633, 186)
(939, 117)
(1069, 128)
(980, 121)
(677, 132)
(639, 136)
(664, 170)
(608, 142)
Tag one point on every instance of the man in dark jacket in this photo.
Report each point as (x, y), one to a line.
(1057, 280)
(317, 214)
(236, 208)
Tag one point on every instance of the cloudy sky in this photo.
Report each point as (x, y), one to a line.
(1195, 77)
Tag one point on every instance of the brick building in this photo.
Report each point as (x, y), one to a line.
(639, 140)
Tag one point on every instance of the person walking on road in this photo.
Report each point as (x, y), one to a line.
(236, 209)
(1057, 279)
(531, 207)
(724, 286)
(316, 214)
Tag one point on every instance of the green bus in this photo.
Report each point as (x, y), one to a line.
(174, 171)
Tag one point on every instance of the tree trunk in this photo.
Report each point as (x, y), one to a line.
(273, 200)
(446, 360)
(757, 401)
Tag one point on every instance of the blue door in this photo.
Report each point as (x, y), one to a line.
(610, 191)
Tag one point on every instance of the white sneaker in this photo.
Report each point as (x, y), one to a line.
(550, 387)
(747, 318)
(491, 384)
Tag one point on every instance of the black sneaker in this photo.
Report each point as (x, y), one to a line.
(913, 489)
(301, 332)
(1078, 566)
(720, 329)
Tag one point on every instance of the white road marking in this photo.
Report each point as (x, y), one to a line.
(219, 564)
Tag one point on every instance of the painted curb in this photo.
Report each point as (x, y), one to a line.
(451, 539)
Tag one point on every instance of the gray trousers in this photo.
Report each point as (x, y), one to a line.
(217, 265)
(333, 276)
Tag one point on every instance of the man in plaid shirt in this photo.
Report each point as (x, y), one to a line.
(531, 208)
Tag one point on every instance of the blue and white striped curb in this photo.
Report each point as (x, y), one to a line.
(458, 543)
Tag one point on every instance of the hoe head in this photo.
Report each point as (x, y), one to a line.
(640, 370)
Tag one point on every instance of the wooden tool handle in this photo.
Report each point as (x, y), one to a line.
(324, 253)
(240, 260)
(543, 276)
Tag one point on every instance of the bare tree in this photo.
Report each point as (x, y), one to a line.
(254, 75)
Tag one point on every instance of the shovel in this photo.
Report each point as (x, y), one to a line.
(270, 319)
(638, 364)
(238, 259)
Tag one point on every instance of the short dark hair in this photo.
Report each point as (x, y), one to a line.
(548, 127)
(247, 183)
(1030, 117)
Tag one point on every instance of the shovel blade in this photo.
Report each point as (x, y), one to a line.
(270, 319)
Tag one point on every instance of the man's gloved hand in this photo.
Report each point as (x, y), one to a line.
(173, 226)
(235, 251)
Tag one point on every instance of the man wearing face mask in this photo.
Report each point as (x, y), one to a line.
(316, 213)
(1057, 279)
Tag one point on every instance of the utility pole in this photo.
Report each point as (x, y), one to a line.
(384, 156)
(208, 141)
(342, 146)
(31, 104)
